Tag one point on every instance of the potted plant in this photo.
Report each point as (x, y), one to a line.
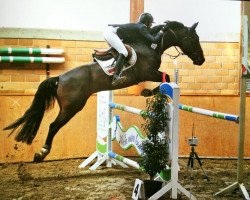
(155, 151)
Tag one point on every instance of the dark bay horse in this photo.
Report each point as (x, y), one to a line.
(73, 88)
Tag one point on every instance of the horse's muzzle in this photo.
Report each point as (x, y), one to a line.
(199, 61)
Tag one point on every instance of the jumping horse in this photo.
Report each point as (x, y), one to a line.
(73, 88)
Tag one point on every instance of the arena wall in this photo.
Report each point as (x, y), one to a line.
(214, 86)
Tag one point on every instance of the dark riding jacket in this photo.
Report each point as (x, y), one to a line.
(135, 32)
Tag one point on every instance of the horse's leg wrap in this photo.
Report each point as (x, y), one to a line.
(39, 157)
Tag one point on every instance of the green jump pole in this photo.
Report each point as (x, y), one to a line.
(27, 59)
(33, 51)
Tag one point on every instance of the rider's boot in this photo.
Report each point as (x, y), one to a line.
(117, 79)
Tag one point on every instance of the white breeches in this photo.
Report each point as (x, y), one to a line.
(110, 35)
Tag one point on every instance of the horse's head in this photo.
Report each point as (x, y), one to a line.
(186, 38)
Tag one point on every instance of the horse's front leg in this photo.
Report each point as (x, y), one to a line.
(147, 92)
(159, 77)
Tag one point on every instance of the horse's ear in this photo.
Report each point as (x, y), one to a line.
(166, 26)
(193, 27)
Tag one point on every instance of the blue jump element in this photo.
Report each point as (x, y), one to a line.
(166, 89)
(112, 105)
(111, 154)
(117, 118)
(232, 118)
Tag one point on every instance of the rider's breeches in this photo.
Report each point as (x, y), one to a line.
(110, 35)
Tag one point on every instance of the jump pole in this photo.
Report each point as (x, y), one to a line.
(34, 51)
(6, 55)
(201, 111)
(31, 59)
(210, 113)
(126, 108)
(127, 161)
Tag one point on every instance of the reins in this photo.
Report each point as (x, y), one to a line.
(162, 45)
(175, 56)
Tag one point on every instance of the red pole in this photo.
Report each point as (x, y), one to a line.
(164, 77)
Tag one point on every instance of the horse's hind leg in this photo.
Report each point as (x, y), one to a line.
(63, 117)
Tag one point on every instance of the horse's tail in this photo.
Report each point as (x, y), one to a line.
(31, 120)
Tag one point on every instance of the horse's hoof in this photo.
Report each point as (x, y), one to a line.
(146, 92)
(37, 158)
(119, 80)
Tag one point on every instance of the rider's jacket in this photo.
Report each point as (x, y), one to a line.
(134, 32)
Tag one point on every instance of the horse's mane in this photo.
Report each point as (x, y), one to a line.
(155, 29)
(171, 24)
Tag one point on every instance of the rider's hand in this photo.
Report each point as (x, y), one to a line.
(164, 28)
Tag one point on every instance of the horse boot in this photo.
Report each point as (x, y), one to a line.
(117, 79)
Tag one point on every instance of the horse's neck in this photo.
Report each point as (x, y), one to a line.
(171, 40)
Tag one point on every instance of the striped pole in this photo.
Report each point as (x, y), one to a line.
(124, 160)
(27, 59)
(201, 111)
(34, 51)
(126, 108)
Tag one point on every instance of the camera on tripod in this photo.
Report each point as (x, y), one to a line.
(193, 141)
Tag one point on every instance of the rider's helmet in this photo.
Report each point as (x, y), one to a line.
(146, 18)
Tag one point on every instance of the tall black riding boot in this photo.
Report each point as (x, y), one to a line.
(117, 79)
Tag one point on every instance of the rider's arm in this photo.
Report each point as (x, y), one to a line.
(145, 33)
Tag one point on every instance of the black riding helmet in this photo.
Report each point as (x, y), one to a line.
(146, 17)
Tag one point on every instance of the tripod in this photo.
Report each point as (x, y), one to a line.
(191, 159)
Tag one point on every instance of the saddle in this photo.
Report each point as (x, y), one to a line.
(105, 54)
(106, 58)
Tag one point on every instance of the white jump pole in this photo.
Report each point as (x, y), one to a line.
(210, 113)
(124, 160)
(34, 51)
(126, 108)
(6, 55)
(31, 59)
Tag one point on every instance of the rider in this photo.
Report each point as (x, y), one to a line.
(131, 32)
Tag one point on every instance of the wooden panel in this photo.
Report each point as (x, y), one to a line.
(219, 75)
(75, 139)
(217, 138)
(136, 8)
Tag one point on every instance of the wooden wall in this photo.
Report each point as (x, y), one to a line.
(219, 75)
(217, 138)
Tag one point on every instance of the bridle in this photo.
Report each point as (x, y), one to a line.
(162, 45)
(180, 53)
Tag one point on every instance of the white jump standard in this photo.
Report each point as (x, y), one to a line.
(109, 128)
(172, 90)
